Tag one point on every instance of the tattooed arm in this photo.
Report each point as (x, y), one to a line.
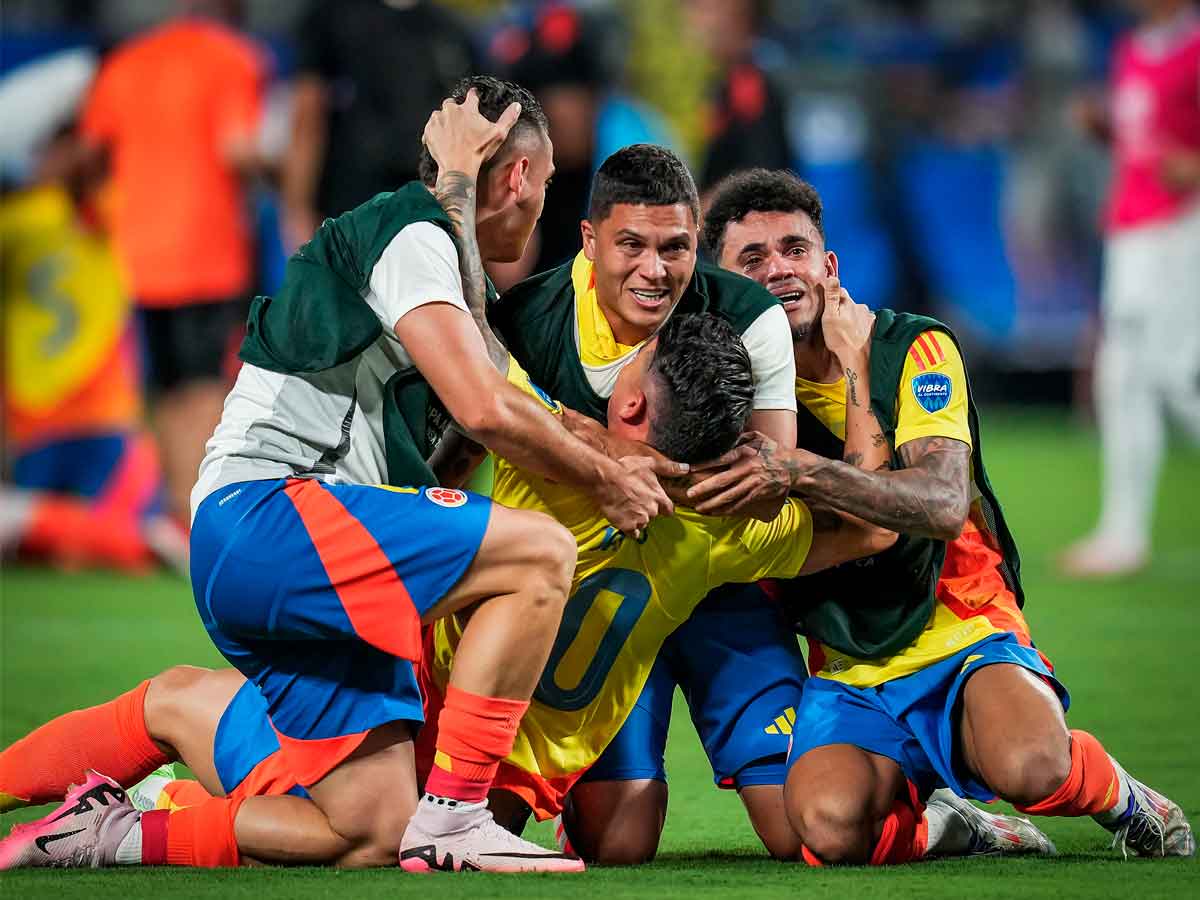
(461, 141)
(929, 497)
(455, 191)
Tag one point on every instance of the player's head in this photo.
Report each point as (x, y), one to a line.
(641, 234)
(766, 225)
(512, 184)
(689, 391)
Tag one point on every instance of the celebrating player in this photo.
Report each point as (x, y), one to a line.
(574, 328)
(314, 584)
(927, 673)
(688, 392)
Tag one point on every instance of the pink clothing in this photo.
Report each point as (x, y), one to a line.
(1155, 111)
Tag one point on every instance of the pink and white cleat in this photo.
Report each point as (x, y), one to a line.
(448, 836)
(84, 832)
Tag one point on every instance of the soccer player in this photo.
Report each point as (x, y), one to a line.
(688, 393)
(927, 675)
(314, 582)
(86, 488)
(1148, 361)
(573, 329)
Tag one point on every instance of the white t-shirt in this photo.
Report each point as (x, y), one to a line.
(329, 425)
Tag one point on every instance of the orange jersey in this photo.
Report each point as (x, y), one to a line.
(70, 358)
(169, 105)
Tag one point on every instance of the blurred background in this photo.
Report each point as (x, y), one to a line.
(953, 142)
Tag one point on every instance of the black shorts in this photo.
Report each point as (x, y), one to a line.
(182, 344)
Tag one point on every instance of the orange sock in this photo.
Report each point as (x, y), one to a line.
(200, 836)
(110, 738)
(904, 838)
(474, 734)
(182, 792)
(1092, 787)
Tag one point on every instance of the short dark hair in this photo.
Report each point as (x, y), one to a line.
(643, 175)
(757, 190)
(494, 97)
(705, 388)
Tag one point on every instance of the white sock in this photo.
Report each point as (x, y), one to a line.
(1122, 807)
(129, 851)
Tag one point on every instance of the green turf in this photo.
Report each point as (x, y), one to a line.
(1126, 650)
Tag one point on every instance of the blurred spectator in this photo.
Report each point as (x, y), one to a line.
(557, 59)
(177, 110)
(368, 73)
(85, 485)
(747, 112)
(1148, 363)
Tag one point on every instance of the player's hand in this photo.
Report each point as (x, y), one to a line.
(632, 496)
(461, 139)
(846, 325)
(754, 478)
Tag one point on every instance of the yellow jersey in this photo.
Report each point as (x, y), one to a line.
(627, 596)
(70, 363)
(973, 600)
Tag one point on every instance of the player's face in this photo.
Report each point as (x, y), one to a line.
(784, 252)
(645, 257)
(504, 235)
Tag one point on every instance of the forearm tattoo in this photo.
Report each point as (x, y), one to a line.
(455, 191)
(930, 497)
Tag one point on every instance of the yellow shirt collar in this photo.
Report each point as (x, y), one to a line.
(597, 346)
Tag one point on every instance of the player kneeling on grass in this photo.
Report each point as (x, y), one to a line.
(314, 583)
(926, 671)
(689, 393)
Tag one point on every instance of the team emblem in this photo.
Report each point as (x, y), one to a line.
(447, 497)
(550, 403)
(932, 390)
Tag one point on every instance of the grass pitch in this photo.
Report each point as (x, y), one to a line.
(1126, 650)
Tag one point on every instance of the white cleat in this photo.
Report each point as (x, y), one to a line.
(448, 836)
(1152, 825)
(992, 833)
(84, 832)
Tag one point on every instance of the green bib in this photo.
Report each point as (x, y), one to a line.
(319, 320)
(874, 607)
(536, 319)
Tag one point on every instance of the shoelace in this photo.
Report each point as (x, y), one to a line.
(1142, 825)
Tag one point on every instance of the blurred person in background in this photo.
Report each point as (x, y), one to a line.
(745, 126)
(84, 484)
(177, 110)
(368, 72)
(556, 58)
(1148, 361)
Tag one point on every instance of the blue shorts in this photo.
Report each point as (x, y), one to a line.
(315, 593)
(742, 674)
(246, 751)
(913, 719)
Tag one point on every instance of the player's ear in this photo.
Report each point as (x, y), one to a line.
(831, 264)
(631, 409)
(518, 177)
(589, 239)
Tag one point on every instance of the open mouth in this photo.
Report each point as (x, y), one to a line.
(649, 299)
(790, 300)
